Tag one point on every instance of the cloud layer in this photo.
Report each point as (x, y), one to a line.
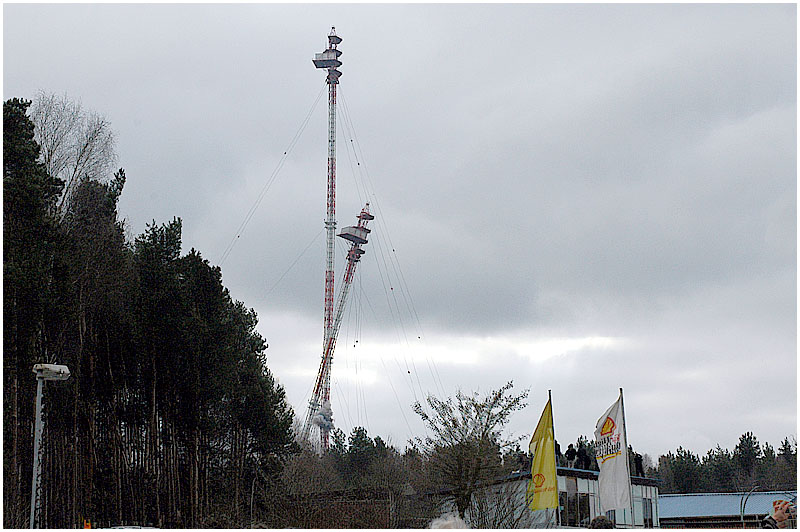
(575, 197)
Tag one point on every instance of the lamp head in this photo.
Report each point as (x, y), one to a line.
(51, 372)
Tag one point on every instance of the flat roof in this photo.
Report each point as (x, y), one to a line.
(719, 504)
(580, 473)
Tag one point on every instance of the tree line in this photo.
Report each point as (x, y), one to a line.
(750, 465)
(170, 410)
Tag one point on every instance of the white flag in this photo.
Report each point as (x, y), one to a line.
(611, 451)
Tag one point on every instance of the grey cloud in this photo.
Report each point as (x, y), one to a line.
(541, 170)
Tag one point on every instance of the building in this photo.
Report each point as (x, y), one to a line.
(578, 501)
(719, 510)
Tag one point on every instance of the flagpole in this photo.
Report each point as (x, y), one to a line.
(627, 458)
(555, 459)
(543, 486)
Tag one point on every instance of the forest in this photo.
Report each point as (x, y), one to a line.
(143, 433)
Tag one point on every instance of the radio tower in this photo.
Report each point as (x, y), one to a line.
(329, 60)
(319, 408)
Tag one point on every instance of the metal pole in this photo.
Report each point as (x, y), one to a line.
(552, 424)
(252, 491)
(627, 461)
(37, 438)
(743, 503)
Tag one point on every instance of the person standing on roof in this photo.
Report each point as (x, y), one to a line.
(583, 458)
(570, 456)
(638, 465)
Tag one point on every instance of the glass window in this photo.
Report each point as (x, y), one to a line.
(637, 490)
(562, 484)
(572, 509)
(592, 511)
(638, 518)
(562, 506)
(654, 501)
(572, 484)
(584, 516)
(612, 515)
(583, 485)
(647, 507)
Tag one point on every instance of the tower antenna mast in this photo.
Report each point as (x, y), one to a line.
(327, 60)
(319, 408)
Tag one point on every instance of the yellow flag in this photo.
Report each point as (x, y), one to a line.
(543, 488)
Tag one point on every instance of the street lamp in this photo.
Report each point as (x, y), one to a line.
(44, 372)
(743, 502)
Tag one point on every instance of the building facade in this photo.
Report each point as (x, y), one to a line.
(579, 502)
(504, 506)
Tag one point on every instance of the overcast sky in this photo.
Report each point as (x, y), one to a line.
(576, 197)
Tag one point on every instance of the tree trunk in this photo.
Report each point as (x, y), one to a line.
(194, 484)
(74, 488)
(16, 465)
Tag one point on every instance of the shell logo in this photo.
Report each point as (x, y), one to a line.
(608, 427)
(538, 480)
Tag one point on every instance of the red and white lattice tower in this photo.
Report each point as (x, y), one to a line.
(319, 409)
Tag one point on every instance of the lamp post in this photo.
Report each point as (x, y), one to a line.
(44, 372)
(743, 503)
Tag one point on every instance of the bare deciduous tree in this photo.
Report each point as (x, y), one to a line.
(499, 506)
(75, 144)
(465, 445)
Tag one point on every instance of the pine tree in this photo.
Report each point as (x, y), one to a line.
(29, 242)
(746, 454)
(360, 452)
(718, 471)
